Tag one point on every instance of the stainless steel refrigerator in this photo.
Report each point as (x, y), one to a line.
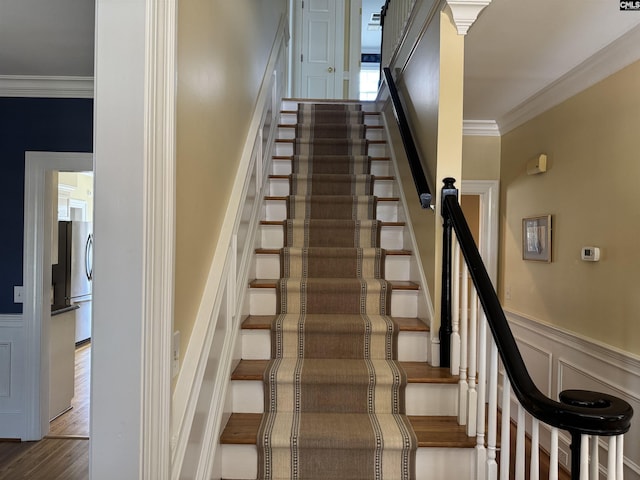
(82, 276)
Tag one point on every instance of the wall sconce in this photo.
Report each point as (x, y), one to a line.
(538, 164)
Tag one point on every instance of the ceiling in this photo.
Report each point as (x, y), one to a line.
(518, 54)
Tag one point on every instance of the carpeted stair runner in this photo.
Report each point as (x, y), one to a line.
(334, 393)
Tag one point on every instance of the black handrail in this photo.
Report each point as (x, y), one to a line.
(579, 411)
(419, 178)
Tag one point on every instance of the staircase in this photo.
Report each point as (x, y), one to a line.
(430, 397)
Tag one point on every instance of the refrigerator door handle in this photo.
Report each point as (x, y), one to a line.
(88, 268)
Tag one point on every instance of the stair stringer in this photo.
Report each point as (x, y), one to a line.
(200, 400)
(425, 306)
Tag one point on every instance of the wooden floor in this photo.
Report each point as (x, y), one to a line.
(64, 453)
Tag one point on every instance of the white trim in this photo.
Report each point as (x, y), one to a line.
(10, 320)
(159, 237)
(480, 128)
(604, 352)
(355, 40)
(465, 13)
(36, 221)
(607, 61)
(489, 192)
(46, 87)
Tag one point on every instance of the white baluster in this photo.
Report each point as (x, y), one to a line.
(473, 357)
(612, 458)
(553, 455)
(520, 444)
(584, 457)
(492, 466)
(455, 308)
(534, 470)
(464, 344)
(620, 457)
(594, 460)
(481, 450)
(505, 437)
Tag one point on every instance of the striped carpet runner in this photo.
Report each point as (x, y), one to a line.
(334, 393)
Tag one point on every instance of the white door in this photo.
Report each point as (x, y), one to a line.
(322, 49)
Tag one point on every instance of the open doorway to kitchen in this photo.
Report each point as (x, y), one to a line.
(71, 301)
(41, 193)
(371, 40)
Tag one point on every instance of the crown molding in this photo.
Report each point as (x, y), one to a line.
(45, 87)
(612, 58)
(480, 128)
(465, 13)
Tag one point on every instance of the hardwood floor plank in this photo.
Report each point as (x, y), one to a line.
(64, 453)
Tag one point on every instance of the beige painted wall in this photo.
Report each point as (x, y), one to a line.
(591, 189)
(432, 86)
(223, 48)
(480, 158)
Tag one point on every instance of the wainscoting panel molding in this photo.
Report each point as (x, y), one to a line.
(12, 375)
(572, 361)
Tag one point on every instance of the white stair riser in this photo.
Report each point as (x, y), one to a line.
(279, 187)
(280, 166)
(426, 399)
(276, 210)
(262, 301)
(396, 266)
(375, 150)
(412, 346)
(289, 133)
(241, 462)
(292, 119)
(391, 237)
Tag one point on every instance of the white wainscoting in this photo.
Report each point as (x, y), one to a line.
(559, 360)
(12, 375)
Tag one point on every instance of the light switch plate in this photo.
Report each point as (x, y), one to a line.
(18, 294)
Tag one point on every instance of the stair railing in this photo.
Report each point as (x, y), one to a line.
(419, 178)
(478, 345)
(587, 416)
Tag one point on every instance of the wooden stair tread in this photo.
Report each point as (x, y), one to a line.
(289, 112)
(395, 284)
(276, 251)
(281, 222)
(290, 157)
(284, 198)
(294, 125)
(263, 322)
(440, 431)
(375, 177)
(417, 372)
(370, 142)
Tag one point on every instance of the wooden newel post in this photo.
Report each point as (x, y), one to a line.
(448, 190)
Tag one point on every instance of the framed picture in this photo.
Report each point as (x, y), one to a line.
(536, 238)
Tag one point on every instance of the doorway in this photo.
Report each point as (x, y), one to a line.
(483, 198)
(39, 216)
(371, 44)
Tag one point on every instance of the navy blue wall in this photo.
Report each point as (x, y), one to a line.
(32, 124)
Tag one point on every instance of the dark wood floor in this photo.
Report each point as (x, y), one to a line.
(64, 453)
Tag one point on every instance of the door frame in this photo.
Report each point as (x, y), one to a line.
(38, 218)
(489, 193)
(352, 75)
